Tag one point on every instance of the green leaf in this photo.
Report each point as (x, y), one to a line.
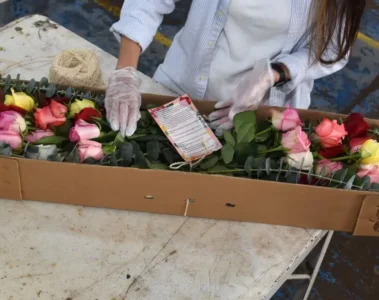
(68, 93)
(243, 118)
(152, 137)
(7, 84)
(374, 187)
(108, 137)
(51, 140)
(17, 86)
(349, 183)
(243, 151)
(246, 133)
(153, 149)
(44, 81)
(156, 166)
(209, 163)
(229, 139)
(262, 137)
(113, 160)
(64, 129)
(363, 183)
(126, 153)
(119, 140)
(109, 149)
(170, 155)
(140, 160)
(51, 90)
(249, 165)
(227, 153)
(30, 86)
(5, 149)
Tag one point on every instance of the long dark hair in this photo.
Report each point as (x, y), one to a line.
(335, 23)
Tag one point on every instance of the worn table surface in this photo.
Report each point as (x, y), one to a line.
(51, 251)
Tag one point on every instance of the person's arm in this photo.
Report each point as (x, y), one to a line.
(140, 19)
(136, 28)
(301, 67)
(129, 53)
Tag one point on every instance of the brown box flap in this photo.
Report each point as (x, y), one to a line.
(10, 185)
(368, 220)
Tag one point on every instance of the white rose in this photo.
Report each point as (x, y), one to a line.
(303, 160)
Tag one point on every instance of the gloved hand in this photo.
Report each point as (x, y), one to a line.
(248, 95)
(123, 101)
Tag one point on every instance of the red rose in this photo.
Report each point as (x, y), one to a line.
(86, 114)
(356, 126)
(332, 152)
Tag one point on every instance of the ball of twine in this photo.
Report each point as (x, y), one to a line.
(77, 68)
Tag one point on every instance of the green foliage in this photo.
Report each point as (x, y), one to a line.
(227, 153)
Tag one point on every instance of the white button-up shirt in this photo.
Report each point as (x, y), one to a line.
(187, 65)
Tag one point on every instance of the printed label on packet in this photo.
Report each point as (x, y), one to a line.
(186, 129)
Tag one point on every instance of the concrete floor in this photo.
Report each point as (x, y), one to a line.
(351, 266)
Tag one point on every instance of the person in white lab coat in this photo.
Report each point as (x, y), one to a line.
(240, 53)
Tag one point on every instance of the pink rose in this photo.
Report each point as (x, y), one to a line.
(327, 167)
(330, 133)
(37, 135)
(356, 143)
(51, 115)
(11, 138)
(371, 171)
(13, 121)
(296, 141)
(286, 120)
(90, 149)
(84, 131)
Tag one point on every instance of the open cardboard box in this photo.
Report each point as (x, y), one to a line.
(196, 195)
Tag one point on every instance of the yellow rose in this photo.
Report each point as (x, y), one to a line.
(78, 105)
(20, 99)
(370, 153)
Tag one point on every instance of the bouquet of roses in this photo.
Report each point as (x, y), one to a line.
(39, 121)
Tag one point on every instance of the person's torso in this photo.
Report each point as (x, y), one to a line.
(255, 29)
(189, 62)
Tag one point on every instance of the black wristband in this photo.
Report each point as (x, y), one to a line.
(282, 74)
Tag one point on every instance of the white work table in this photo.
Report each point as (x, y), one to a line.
(52, 251)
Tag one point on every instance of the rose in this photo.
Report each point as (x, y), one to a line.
(78, 105)
(370, 153)
(19, 99)
(87, 114)
(371, 171)
(37, 135)
(328, 168)
(12, 138)
(90, 149)
(356, 126)
(286, 120)
(296, 141)
(332, 152)
(330, 133)
(13, 121)
(84, 131)
(356, 143)
(301, 161)
(51, 115)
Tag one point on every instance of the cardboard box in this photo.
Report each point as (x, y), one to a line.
(194, 195)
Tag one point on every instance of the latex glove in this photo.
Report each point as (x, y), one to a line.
(123, 101)
(248, 95)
